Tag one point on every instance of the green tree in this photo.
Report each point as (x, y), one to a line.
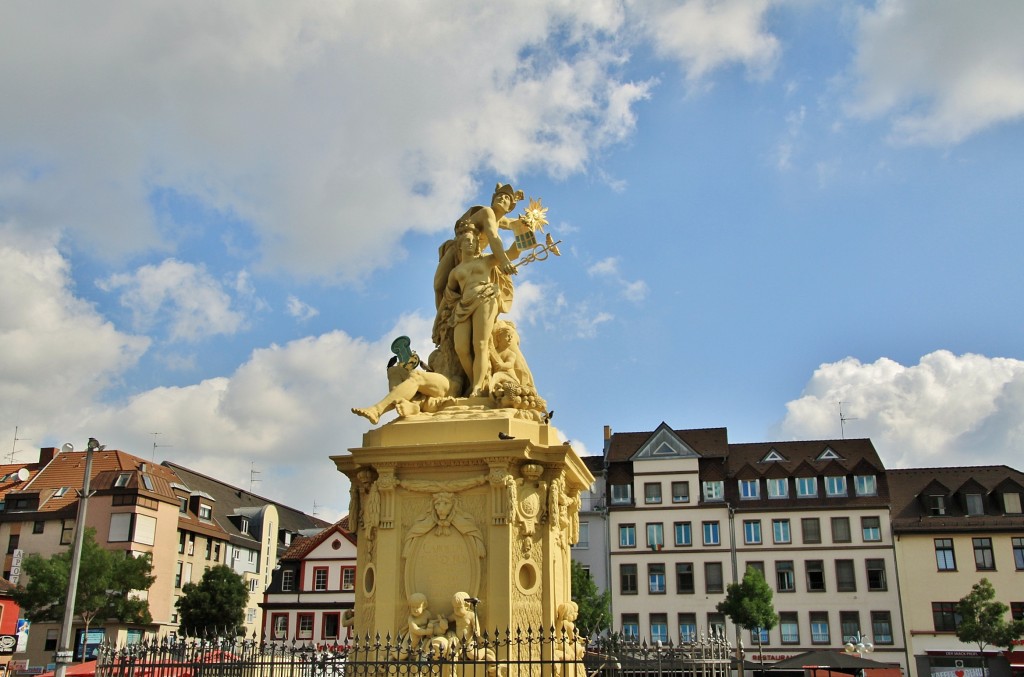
(215, 604)
(749, 605)
(595, 606)
(983, 619)
(106, 581)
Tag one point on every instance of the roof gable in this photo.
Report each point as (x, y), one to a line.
(773, 455)
(664, 443)
(829, 454)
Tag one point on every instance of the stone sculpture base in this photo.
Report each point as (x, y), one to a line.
(481, 503)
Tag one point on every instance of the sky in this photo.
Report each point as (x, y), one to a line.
(774, 214)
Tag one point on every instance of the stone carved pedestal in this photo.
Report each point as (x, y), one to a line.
(486, 505)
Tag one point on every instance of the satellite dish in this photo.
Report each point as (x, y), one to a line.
(67, 447)
(22, 475)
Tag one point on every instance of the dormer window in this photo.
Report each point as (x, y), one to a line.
(243, 525)
(205, 512)
(622, 494)
(60, 492)
(975, 504)
(937, 505)
(714, 491)
(749, 489)
(147, 482)
(1011, 503)
(122, 479)
(835, 485)
(865, 485)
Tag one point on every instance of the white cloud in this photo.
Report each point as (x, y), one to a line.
(942, 70)
(705, 35)
(945, 410)
(631, 290)
(191, 302)
(330, 129)
(300, 310)
(56, 353)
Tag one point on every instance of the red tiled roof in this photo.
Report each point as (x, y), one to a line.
(305, 545)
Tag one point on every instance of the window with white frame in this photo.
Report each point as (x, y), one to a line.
(781, 531)
(749, 489)
(871, 528)
(287, 580)
(714, 491)
(806, 487)
(305, 630)
(680, 492)
(656, 579)
(280, 624)
(652, 492)
(627, 535)
(348, 578)
(752, 532)
(320, 579)
(659, 628)
(778, 487)
(584, 539)
(687, 627)
(835, 485)
(683, 533)
(711, 533)
(622, 494)
(655, 535)
(865, 485)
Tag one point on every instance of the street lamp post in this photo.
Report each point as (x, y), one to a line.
(65, 653)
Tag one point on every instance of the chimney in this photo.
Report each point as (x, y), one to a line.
(46, 454)
(607, 433)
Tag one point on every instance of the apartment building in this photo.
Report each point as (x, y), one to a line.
(953, 527)
(689, 512)
(591, 550)
(311, 588)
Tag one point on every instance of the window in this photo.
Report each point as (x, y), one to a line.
(687, 627)
(714, 491)
(12, 544)
(191, 544)
(846, 580)
(975, 504)
(749, 489)
(835, 485)
(659, 628)
(627, 535)
(147, 482)
(684, 578)
(627, 579)
(183, 506)
(789, 626)
(287, 580)
(305, 626)
(583, 541)
(756, 565)
(785, 581)
(881, 627)
(1017, 611)
(652, 492)
(713, 577)
(122, 479)
(716, 624)
(849, 626)
(206, 513)
(680, 492)
(126, 526)
(67, 530)
(243, 525)
(778, 488)
(209, 548)
(841, 529)
(181, 542)
(655, 536)
(983, 558)
(279, 622)
(780, 531)
(711, 536)
(51, 640)
(876, 574)
(38, 526)
(319, 579)
(331, 625)
(1011, 503)
(945, 556)
(631, 627)
(819, 627)
(937, 505)
(752, 532)
(622, 494)
(871, 529)
(1018, 553)
(683, 533)
(656, 579)
(810, 527)
(945, 617)
(763, 632)
(216, 552)
(864, 485)
(806, 487)
(252, 556)
(815, 576)
(253, 583)
(348, 578)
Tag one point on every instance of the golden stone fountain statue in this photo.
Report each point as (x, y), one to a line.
(467, 503)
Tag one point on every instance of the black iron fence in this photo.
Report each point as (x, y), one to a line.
(510, 654)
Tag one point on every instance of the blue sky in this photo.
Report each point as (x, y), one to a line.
(215, 219)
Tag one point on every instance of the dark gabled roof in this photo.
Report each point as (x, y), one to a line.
(230, 501)
(595, 464)
(707, 442)
(301, 547)
(910, 513)
(853, 454)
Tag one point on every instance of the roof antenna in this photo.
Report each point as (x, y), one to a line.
(14, 444)
(155, 445)
(252, 475)
(316, 507)
(843, 420)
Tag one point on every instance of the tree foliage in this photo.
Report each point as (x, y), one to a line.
(983, 620)
(106, 580)
(595, 606)
(214, 605)
(749, 604)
